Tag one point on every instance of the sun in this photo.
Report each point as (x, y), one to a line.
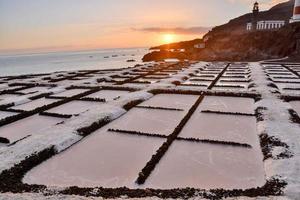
(168, 38)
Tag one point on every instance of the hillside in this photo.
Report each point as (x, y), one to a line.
(178, 45)
(282, 11)
(232, 42)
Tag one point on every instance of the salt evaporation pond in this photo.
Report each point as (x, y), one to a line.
(162, 122)
(34, 89)
(4, 114)
(108, 95)
(177, 101)
(207, 166)
(103, 159)
(287, 80)
(241, 129)
(28, 126)
(207, 83)
(228, 104)
(34, 104)
(228, 88)
(74, 107)
(69, 93)
(7, 96)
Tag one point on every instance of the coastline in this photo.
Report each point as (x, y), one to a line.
(68, 61)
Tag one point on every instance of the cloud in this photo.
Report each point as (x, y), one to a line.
(177, 30)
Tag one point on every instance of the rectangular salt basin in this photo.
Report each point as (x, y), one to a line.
(226, 84)
(241, 129)
(228, 104)
(201, 79)
(34, 89)
(288, 92)
(287, 80)
(103, 159)
(287, 76)
(74, 107)
(224, 78)
(4, 114)
(281, 86)
(207, 166)
(69, 93)
(151, 80)
(108, 95)
(3, 86)
(7, 96)
(119, 79)
(28, 126)
(177, 101)
(198, 83)
(208, 76)
(184, 86)
(229, 88)
(296, 106)
(162, 122)
(35, 104)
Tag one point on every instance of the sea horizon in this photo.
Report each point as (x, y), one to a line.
(47, 62)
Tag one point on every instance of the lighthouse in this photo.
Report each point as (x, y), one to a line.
(255, 15)
(296, 15)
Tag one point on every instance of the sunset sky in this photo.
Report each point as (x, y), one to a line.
(49, 25)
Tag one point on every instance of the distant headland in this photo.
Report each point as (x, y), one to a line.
(259, 35)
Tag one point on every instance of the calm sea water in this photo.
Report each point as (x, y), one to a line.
(66, 61)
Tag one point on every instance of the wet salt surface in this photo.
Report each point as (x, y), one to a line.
(74, 107)
(119, 79)
(103, 159)
(108, 95)
(198, 86)
(207, 83)
(6, 96)
(28, 126)
(4, 114)
(34, 104)
(162, 122)
(240, 129)
(296, 106)
(3, 86)
(282, 87)
(152, 80)
(228, 104)
(208, 166)
(229, 88)
(69, 93)
(12, 87)
(171, 101)
(34, 89)
(287, 80)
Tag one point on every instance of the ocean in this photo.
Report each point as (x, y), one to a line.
(68, 61)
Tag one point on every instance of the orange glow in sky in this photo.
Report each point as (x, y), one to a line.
(168, 38)
(54, 25)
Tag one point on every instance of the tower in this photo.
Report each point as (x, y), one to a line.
(255, 8)
(255, 14)
(296, 15)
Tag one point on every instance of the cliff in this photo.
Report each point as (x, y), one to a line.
(232, 42)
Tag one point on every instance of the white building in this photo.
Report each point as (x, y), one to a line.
(270, 24)
(266, 25)
(249, 26)
(296, 15)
